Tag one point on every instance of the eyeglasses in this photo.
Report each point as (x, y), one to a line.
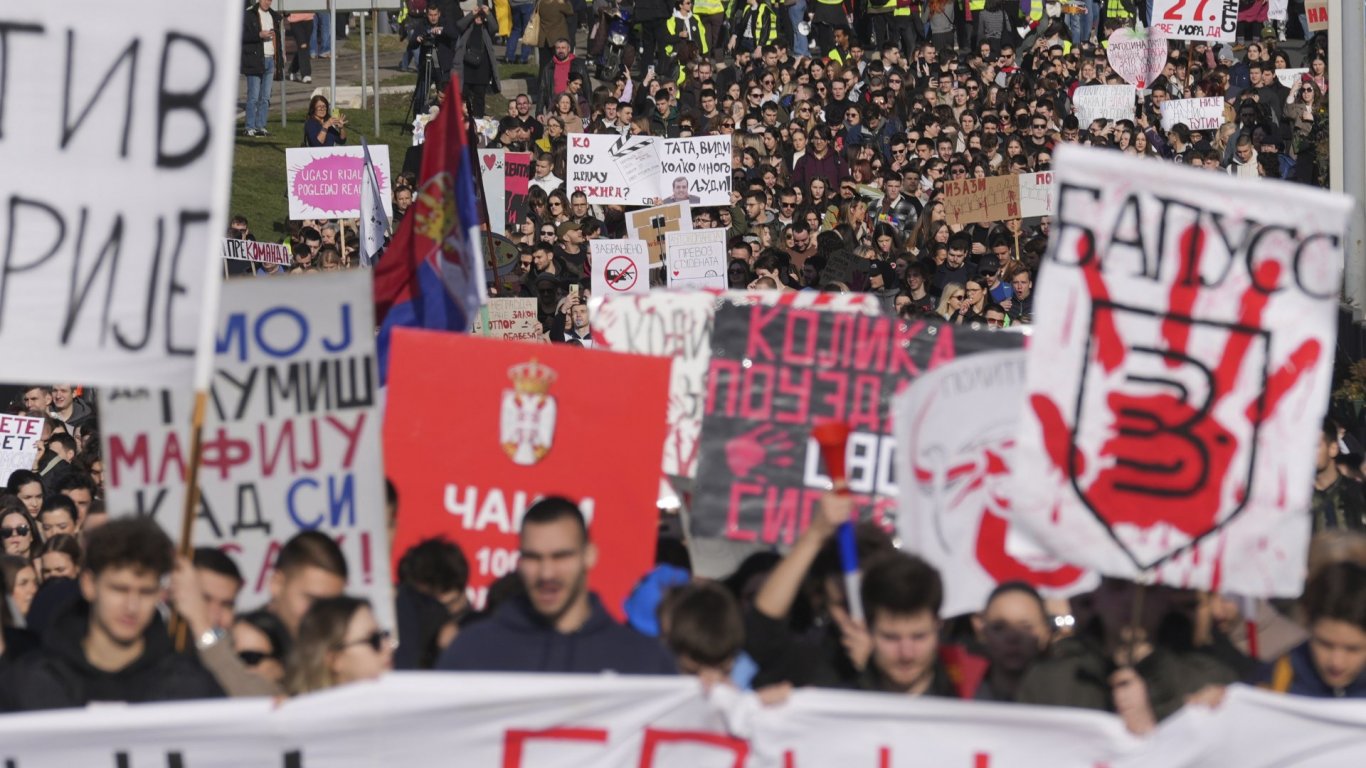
(18, 530)
(556, 203)
(755, 94)
(958, 296)
(377, 641)
(550, 232)
(787, 205)
(252, 658)
(728, 125)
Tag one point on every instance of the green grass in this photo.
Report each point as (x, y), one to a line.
(258, 178)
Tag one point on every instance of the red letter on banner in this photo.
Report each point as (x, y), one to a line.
(514, 740)
(654, 738)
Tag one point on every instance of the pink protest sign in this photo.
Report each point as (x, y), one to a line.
(325, 182)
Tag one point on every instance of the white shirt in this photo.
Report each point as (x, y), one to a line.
(267, 23)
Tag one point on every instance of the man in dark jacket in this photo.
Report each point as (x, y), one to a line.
(261, 57)
(558, 625)
(562, 67)
(112, 645)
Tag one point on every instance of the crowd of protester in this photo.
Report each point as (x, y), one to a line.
(842, 142)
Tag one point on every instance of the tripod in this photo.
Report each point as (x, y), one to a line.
(426, 77)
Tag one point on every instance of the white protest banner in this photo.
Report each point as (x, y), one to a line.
(257, 251)
(1205, 114)
(679, 325)
(19, 437)
(493, 174)
(1137, 55)
(653, 225)
(613, 169)
(1111, 102)
(1036, 194)
(1178, 375)
(512, 318)
(696, 259)
(325, 182)
(1278, 10)
(1215, 20)
(620, 267)
(695, 170)
(955, 440)
(291, 438)
(117, 160)
(1289, 77)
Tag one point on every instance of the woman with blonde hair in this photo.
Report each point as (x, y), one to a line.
(950, 299)
(339, 642)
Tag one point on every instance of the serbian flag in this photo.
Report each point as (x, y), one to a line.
(432, 273)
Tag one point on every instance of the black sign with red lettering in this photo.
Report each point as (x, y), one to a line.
(777, 371)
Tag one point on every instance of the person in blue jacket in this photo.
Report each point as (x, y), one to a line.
(1331, 664)
(557, 625)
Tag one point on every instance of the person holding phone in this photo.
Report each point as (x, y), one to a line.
(322, 128)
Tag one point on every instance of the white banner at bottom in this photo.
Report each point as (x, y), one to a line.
(508, 721)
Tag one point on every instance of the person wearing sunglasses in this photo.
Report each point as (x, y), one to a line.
(19, 533)
(339, 642)
(261, 643)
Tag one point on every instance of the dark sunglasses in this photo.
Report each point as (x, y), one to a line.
(18, 530)
(252, 658)
(377, 640)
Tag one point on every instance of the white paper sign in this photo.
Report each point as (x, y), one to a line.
(117, 154)
(620, 267)
(1178, 376)
(1215, 20)
(678, 325)
(1278, 10)
(291, 439)
(1289, 77)
(19, 437)
(1036, 194)
(325, 182)
(257, 251)
(1197, 114)
(1111, 102)
(642, 170)
(955, 436)
(696, 259)
(613, 169)
(493, 172)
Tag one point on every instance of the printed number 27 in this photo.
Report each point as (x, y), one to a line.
(1174, 12)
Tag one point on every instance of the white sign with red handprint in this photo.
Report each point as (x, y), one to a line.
(956, 430)
(1179, 372)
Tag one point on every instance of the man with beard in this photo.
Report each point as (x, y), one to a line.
(557, 625)
(1013, 630)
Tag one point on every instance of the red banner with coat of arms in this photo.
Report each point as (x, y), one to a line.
(477, 430)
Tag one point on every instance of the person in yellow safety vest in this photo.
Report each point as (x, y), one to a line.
(880, 20)
(840, 53)
(755, 25)
(1114, 13)
(711, 14)
(683, 38)
(967, 26)
(906, 25)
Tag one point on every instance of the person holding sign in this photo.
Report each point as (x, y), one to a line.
(322, 128)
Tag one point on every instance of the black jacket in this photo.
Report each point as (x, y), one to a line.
(59, 676)
(517, 639)
(253, 50)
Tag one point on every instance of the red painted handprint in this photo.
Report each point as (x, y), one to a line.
(1170, 440)
(751, 449)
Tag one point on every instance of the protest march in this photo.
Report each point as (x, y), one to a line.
(748, 384)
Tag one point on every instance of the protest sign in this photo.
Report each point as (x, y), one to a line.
(117, 163)
(955, 441)
(654, 224)
(511, 318)
(967, 201)
(19, 437)
(516, 184)
(1036, 194)
(695, 170)
(493, 175)
(777, 371)
(1137, 55)
(839, 266)
(257, 251)
(1317, 13)
(1178, 373)
(1215, 20)
(325, 182)
(696, 259)
(501, 260)
(1110, 102)
(643, 170)
(1205, 114)
(532, 422)
(620, 266)
(291, 438)
(1278, 10)
(613, 169)
(1290, 77)
(678, 325)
